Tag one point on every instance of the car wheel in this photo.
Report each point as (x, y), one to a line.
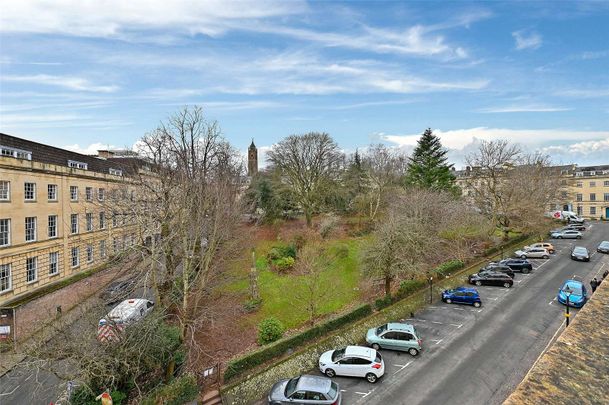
(507, 285)
(523, 256)
(371, 378)
(545, 256)
(559, 237)
(376, 346)
(413, 352)
(477, 304)
(478, 283)
(579, 237)
(552, 251)
(330, 373)
(526, 271)
(449, 301)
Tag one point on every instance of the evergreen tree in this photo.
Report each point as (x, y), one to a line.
(428, 167)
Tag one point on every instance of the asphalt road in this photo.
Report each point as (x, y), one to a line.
(479, 356)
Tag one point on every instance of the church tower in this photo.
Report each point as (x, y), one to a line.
(252, 160)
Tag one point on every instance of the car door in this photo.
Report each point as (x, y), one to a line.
(313, 397)
(299, 397)
(345, 366)
(457, 297)
(408, 341)
(388, 340)
(361, 367)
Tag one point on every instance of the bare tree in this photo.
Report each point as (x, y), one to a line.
(313, 289)
(308, 163)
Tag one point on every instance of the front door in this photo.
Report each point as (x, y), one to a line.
(607, 213)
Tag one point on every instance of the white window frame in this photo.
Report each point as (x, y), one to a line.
(28, 269)
(592, 196)
(15, 153)
(54, 226)
(73, 193)
(102, 220)
(5, 193)
(52, 192)
(53, 263)
(25, 191)
(90, 253)
(89, 221)
(101, 194)
(115, 172)
(6, 278)
(34, 229)
(606, 183)
(75, 255)
(8, 231)
(593, 184)
(593, 210)
(89, 193)
(73, 224)
(102, 249)
(77, 165)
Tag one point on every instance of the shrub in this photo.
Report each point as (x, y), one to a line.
(252, 305)
(269, 330)
(447, 268)
(381, 303)
(407, 287)
(284, 264)
(273, 350)
(177, 392)
(327, 225)
(278, 252)
(84, 396)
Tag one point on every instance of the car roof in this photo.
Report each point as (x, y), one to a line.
(466, 289)
(573, 283)
(359, 351)
(126, 307)
(313, 383)
(401, 326)
(605, 242)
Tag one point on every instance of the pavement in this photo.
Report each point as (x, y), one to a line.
(479, 355)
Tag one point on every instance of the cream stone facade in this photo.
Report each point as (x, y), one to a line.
(56, 220)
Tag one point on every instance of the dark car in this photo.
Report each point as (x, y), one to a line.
(118, 291)
(492, 278)
(603, 247)
(498, 268)
(462, 295)
(580, 253)
(521, 265)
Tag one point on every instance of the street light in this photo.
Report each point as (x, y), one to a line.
(430, 290)
(567, 292)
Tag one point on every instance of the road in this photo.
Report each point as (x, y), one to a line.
(479, 356)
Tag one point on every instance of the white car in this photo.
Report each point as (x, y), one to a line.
(533, 253)
(353, 361)
(567, 234)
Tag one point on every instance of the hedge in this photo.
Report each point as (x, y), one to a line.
(498, 248)
(179, 391)
(239, 366)
(449, 267)
(407, 287)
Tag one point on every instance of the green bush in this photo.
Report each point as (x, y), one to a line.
(447, 268)
(381, 303)
(284, 264)
(273, 350)
(269, 330)
(252, 305)
(278, 252)
(177, 392)
(408, 287)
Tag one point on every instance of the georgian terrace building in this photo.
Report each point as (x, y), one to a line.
(55, 215)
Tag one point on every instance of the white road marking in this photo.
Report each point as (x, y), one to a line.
(402, 367)
(438, 342)
(364, 394)
(458, 325)
(436, 322)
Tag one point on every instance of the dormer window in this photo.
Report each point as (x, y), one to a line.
(77, 165)
(15, 153)
(115, 172)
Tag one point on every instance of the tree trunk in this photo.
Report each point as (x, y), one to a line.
(309, 217)
(387, 286)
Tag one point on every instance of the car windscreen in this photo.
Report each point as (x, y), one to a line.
(333, 391)
(605, 244)
(381, 329)
(338, 354)
(291, 387)
(580, 251)
(575, 289)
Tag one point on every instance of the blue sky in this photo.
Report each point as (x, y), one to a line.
(85, 75)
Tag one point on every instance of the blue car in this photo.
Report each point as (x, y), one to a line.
(462, 295)
(578, 296)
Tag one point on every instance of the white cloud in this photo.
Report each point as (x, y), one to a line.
(523, 108)
(89, 150)
(527, 39)
(72, 83)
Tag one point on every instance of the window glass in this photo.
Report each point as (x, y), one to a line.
(5, 190)
(31, 269)
(53, 263)
(29, 190)
(52, 192)
(30, 229)
(314, 396)
(299, 395)
(5, 277)
(5, 232)
(360, 361)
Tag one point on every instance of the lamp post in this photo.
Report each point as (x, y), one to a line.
(567, 291)
(430, 290)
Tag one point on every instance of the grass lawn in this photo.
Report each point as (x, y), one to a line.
(341, 278)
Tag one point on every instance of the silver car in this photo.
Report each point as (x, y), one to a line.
(533, 253)
(306, 389)
(567, 234)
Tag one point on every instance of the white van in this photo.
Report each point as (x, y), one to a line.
(568, 216)
(127, 312)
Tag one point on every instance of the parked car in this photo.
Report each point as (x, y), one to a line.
(577, 293)
(544, 245)
(117, 291)
(533, 253)
(498, 268)
(128, 312)
(491, 278)
(395, 336)
(521, 265)
(603, 247)
(580, 253)
(567, 234)
(305, 389)
(462, 295)
(576, 227)
(353, 361)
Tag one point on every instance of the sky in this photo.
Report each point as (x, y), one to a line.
(86, 75)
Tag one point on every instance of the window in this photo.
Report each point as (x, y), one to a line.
(74, 223)
(592, 210)
(579, 184)
(102, 249)
(77, 165)
(53, 263)
(15, 153)
(115, 246)
(5, 232)
(31, 269)
(606, 183)
(593, 184)
(52, 192)
(30, 229)
(606, 196)
(73, 193)
(5, 277)
(75, 255)
(580, 210)
(100, 194)
(116, 172)
(563, 194)
(592, 196)
(5, 190)
(89, 253)
(579, 197)
(52, 226)
(102, 220)
(563, 182)
(89, 218)
(29, 191)
(114, 219)
(89, 193)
